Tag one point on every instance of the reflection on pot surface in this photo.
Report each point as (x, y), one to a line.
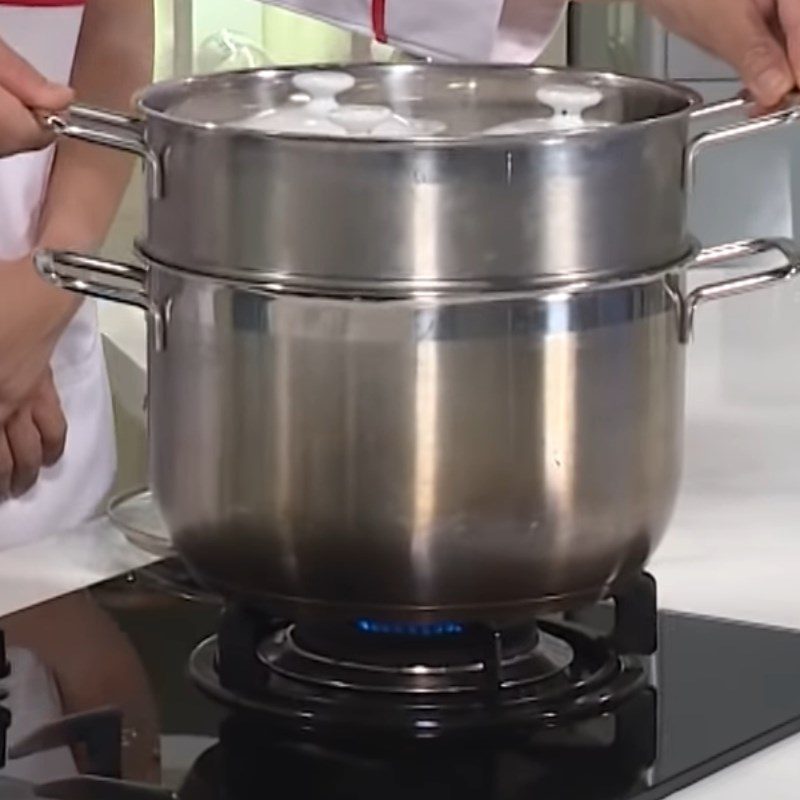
(416, 454)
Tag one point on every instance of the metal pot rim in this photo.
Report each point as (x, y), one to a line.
(144, 103)
(386, 291)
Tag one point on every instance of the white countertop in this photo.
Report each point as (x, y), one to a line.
(63, 563)
(733, 549)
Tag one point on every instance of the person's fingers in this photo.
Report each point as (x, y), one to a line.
(746, 41)
(26, 451)
(737, 31)
(48, 416)
(789, 15)
(6, 466)
(26, 83)
(19, 128)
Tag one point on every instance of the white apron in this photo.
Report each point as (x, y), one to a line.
(45, 32)
(513, 31)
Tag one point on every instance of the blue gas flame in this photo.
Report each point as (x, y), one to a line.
(410, 629)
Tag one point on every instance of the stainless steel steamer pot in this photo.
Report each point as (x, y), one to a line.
(428, 457)
(429, 378)
(454, 210)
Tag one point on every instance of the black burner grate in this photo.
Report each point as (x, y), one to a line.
(462, 680)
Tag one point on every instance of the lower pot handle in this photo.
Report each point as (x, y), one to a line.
(109, 280)
(722, 256)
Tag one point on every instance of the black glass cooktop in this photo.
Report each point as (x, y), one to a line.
(101, 707)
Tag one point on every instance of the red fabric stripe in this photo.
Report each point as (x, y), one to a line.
(379, 20)
(42, 3)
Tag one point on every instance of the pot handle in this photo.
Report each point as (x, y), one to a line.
(722, 256)
(787, 115)
(108, 280)
(96, 277)
(109, 129)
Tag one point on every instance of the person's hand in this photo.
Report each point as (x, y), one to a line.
(760, 38)
(34, 437)
(24, 96)
(32, 426)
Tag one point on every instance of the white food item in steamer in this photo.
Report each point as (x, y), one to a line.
(567, 102)
(314, 110)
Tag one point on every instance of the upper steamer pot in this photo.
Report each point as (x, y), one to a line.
(436, 208)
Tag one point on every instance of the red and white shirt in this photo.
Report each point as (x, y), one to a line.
(45, 32)
(512, 31)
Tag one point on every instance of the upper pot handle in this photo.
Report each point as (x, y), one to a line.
(722, 256)
(109, 129)
(787, 115)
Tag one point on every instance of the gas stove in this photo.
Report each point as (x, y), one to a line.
(613, 702)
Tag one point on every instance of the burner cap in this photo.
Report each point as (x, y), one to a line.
(451, 662)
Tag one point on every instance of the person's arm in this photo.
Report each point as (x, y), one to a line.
(24, 96)
(114, 59)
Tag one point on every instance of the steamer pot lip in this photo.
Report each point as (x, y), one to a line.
(691, 98)
(279, 285)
